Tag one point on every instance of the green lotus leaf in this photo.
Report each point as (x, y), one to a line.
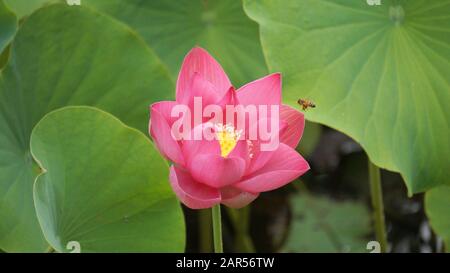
(104, 186)
(220, 26)
(377, 73)
(172, 28)
(65, 55)
(8, 26)
(25, 7)
(320, 224)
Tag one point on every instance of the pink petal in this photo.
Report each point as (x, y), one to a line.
(259, 156)
(295, 120)
(201, 88)
(161, 133)
(235, 198)
(199, 61)
(229, 98)
(284, 166)
(198, 144)
(206, 164)
(165, 109)
(241, 150)
(193, 194)
(264, 91)
(215, 170)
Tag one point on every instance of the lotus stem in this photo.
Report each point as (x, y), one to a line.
(217, 229)
(377, 205)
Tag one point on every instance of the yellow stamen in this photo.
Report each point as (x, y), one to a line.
(228, 138)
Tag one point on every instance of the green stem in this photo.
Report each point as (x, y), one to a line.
(217, 229)
(377, 204)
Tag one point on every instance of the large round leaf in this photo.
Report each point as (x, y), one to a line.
(8, 25)
(65, 55)
(103, 185)
(378, 73)
(437, 207)
(318, 225)
(172, 28)
(25, 7)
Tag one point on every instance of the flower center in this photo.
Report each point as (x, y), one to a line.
(228, 137)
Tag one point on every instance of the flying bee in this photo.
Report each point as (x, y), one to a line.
(305, 104)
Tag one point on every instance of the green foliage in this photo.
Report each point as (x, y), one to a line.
(25, 7)
(172, 28)
(320, 224)
(62, 56)
(437, 206)
(103, 185)
(8, 26)
(377, 73)
(310, 138)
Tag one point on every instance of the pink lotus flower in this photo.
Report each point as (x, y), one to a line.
(231, 169)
